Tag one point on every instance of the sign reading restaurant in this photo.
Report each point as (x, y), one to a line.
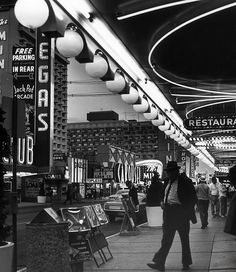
(211, 122)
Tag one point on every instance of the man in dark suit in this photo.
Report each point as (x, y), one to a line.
(178, 203)
(133, 194)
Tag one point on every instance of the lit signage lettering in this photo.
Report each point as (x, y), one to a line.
(43, 77)
(25, 152)
(43, 102)
(211, 122)
(23, 70)
(148, 167)
(3, 41)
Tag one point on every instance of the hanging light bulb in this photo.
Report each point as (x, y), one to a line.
(132, 97)
(175, 134)
(100, 67)
(141, 107)
(159, 121)
(170, 131)
(152, 114)
(118, 84)
(31, 13)
(165, 126)
(71, 44)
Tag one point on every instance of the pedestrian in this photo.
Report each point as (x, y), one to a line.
(215, 204)
(223, 199)
(69, 194)
(203, 199)
(155, 191)
(230, 223)
(133, 194)
(178, 209)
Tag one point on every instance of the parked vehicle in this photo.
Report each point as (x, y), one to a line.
(114, 206)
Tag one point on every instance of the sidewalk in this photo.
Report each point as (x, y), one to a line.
(212, 250)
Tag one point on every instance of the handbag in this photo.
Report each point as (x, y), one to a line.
(230, 223)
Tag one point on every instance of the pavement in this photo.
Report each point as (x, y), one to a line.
(212, 249)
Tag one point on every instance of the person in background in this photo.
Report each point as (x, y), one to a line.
(230, 223)
(178, 209)
(203, 196)
(214, 190)
(155, 191)
(69, 194)
(223, 199)
(133, 194)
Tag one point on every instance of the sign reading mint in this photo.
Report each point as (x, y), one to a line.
(211, 122)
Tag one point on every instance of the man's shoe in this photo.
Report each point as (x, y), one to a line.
(156, 266)
(186, 267)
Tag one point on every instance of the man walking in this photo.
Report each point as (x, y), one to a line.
(215, 205)
(178, 210)
(203, 196)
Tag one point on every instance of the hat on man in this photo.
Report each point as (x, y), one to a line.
(172, 165)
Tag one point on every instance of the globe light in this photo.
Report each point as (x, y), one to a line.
(165, 126)
(152, 114)
(175, 135)
(117, 85)
(132, 97)
(98, 68)
(142, 107)
(31, 13)
(180, 138)
(71, 44)
(170, 131)
(159, 121)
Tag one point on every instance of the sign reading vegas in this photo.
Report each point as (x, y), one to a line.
(211, 122)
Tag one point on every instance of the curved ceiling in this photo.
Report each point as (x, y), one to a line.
(188, 48)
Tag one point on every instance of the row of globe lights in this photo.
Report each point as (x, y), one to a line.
(150, 112)
(72, 44)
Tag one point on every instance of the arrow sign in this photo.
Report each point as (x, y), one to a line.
(30, 76)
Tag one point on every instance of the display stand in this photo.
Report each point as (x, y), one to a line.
(85, 235)
(128, 226)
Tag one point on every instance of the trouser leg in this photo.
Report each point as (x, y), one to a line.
(223, 206)
(166, 242)
(184, 237)
(200, 205)
(212, 205)
(206, 207)
(217, 205)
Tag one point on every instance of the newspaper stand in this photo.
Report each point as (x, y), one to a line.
(128, 226)
(85, 235)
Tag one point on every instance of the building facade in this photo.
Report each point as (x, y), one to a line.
(140, 138)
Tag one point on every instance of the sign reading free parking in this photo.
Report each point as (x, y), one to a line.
(23, 70)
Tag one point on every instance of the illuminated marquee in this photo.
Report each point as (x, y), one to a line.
(211, 122)
(4, 29)
(43, 103)
(146, 168)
